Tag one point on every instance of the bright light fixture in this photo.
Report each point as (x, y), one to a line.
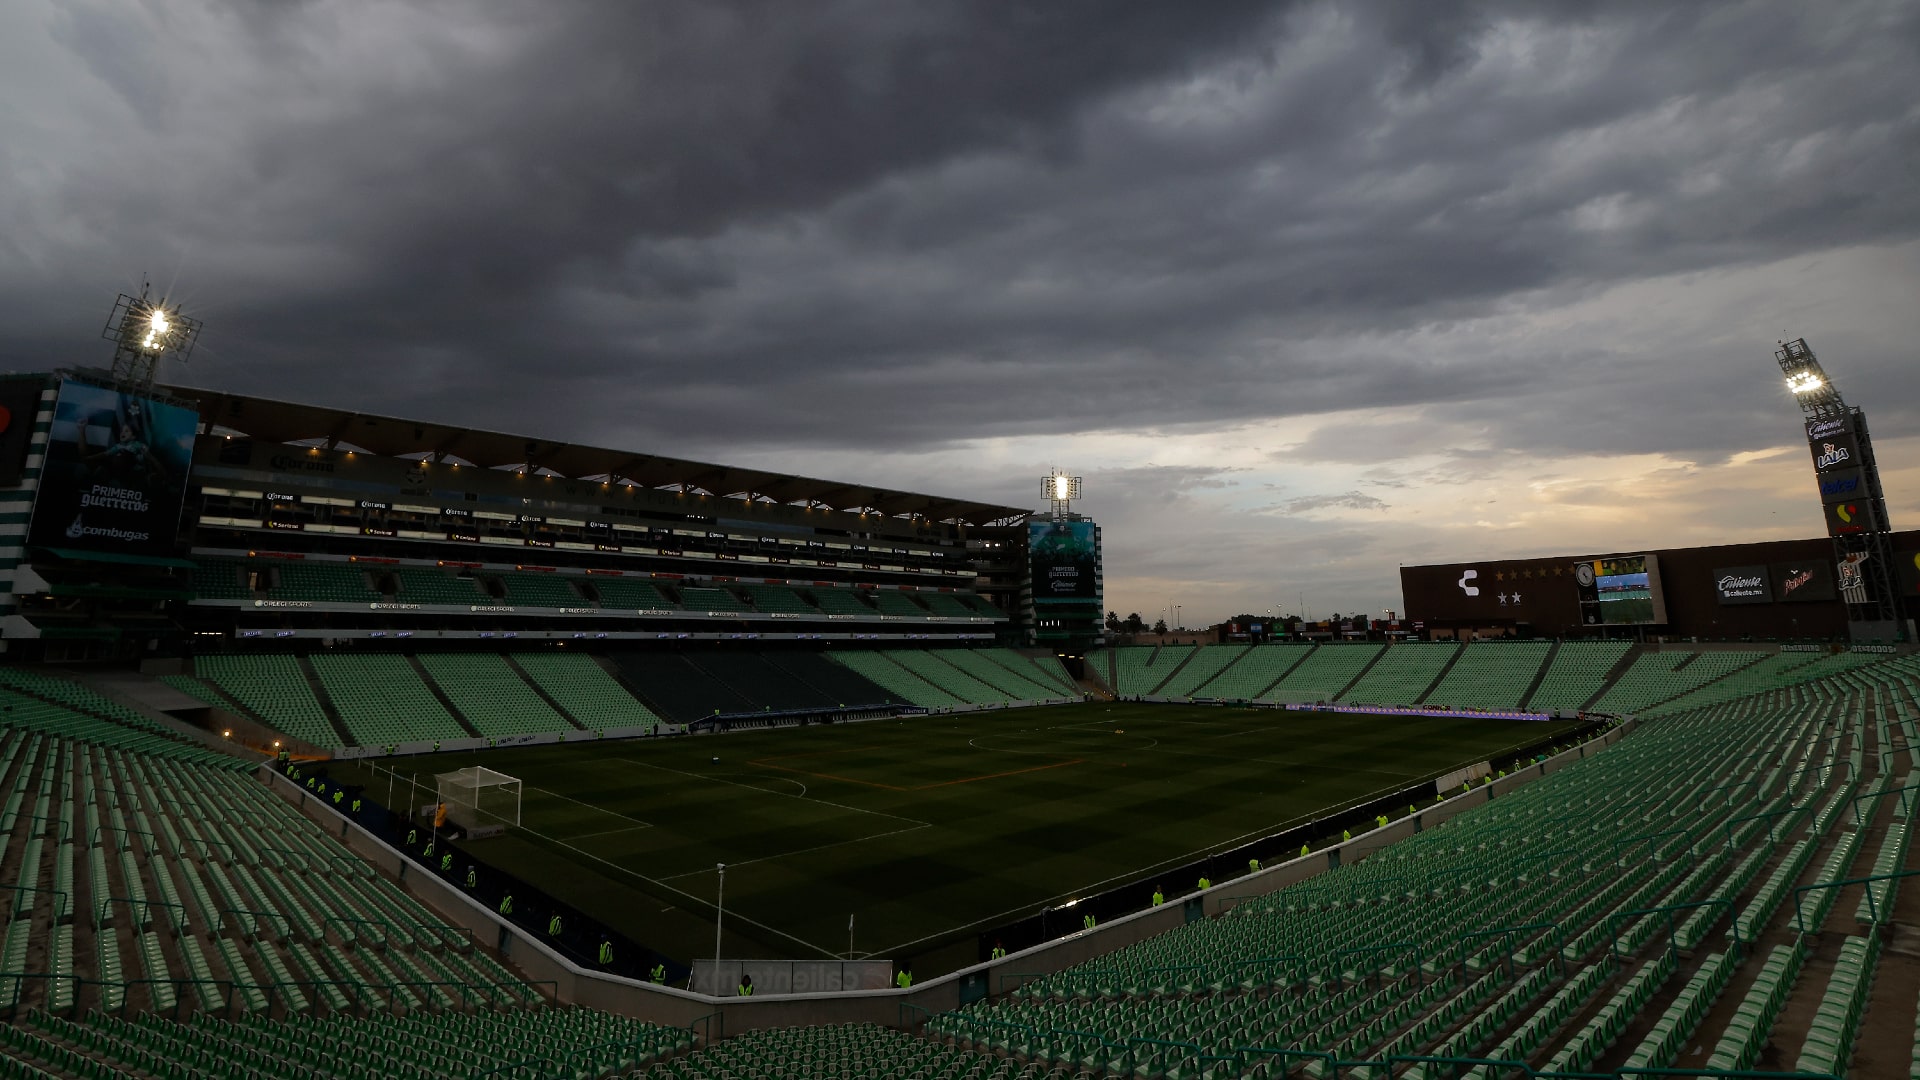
(1804, 382)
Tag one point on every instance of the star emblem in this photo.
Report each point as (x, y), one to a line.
(1499, 575)
(1503, 599)
(1516, 598)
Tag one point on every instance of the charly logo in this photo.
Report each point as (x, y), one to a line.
(1830, 455)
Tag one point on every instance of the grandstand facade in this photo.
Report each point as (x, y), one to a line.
(1777, 590)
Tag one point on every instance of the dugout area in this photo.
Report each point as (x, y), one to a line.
(931, 831)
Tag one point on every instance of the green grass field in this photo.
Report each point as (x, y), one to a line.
(932, 830)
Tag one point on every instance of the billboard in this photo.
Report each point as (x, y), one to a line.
(1842, 485)
(1833, 444)
(1849, 518)
(1623, 590)
(1064, 558)
(115, 473)
(1742, 585)
(1799, 582)
(1908, 564)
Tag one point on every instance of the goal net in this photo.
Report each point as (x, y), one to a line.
(479, 796)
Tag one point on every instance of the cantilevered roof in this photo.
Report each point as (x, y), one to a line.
(289, 422)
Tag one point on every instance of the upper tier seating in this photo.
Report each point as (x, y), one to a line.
(763, 684)
(1491, 675)
(215, 578)
(382, 700)
(702, 598)
(630, 593)
(1257, 669)
(322, 582)
(981, 606)
(1403, 673)
(585, 689)
(1577, 672)
(778, 599)
(678, 690)
(894, 602)
(540, 590)
(841, 685)
(1324, 673)
(276, 689)
(1200, 668)
(948, 605)
(424, 585)
(841, 602)
(491, 694)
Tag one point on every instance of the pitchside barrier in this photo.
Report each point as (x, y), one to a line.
(792, 976)
(535, 739)
(727, 1014)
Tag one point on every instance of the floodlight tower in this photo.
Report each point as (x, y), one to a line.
(1850, 494)
(144, 329)
(1061, 491)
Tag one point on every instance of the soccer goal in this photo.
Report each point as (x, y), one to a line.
(477, 797)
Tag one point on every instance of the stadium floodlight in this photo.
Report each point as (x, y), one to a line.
(144, 330)
(1061, 490)
(1807, 381)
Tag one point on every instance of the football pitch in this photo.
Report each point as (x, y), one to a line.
(930, 830)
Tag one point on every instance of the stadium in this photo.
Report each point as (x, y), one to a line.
(352, 744)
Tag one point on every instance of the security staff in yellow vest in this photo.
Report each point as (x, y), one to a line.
(1158, 896)
(606, 952)
(904, 979)
(745, 989)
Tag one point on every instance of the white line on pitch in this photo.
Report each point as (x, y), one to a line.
(802, 851)
(770, 791)
(637, 823)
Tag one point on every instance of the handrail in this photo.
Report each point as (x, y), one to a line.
(1902, 792)
(1799, 916)
(1673, 932)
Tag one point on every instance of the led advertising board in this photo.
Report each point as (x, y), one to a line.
(1742, 585)
(115, 473)
(1064, 559)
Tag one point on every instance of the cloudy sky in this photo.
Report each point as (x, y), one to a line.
(1304, 290)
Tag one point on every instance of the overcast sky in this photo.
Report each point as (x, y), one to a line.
(1305, 291)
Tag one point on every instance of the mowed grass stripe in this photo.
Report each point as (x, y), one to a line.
(923, 827)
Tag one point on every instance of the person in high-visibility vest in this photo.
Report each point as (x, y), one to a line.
(553, 925)
(473, 877)
(338, 796)
(413, 835)
(1086, 921)
(1158, 896)
(1303, 850)
(999, 952)
(312, 780)
(659, 974)
(606, 952)
(1253, 866)
(905, 978)
(1346, 834)
(506, 904)
(427, 852)
(446, 863)
(356, 804)
(1380, 822)
(1205, 883)
(745, 989)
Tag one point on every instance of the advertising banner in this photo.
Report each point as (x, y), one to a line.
(115, 473)
(1064, 560)
(1742, 585)
(1842, 485)
(1907, 563)
(1798, 582)
(1849, 518)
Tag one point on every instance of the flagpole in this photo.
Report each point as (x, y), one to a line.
(849, 935)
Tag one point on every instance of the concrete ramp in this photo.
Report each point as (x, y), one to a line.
(142, 690)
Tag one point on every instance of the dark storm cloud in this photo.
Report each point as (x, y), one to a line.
(733, 228)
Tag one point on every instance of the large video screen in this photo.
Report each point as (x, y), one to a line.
(115, 473)
(1064, 559)
(1624, 590)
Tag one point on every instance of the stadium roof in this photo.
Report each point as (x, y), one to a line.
(290, 422)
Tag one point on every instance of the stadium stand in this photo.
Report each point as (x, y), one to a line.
(1576, 673)
(881, 670)
(892, 602)
(948, 605)
(841, 602)
(1403, 674)
(1017, 685)
(676, 689)
(421, 585)
(1258, 668)
(1534, 927)
(215, 578)
(929, 666)
(491, 694)
(805, 1053)
(706, 598)
(582, 687)
(382, 700)
(1201, 666)
(628, 593)
(845, 688)
(1491, 675)
(1047, 670)
(539, 590)
(275, 689)
(1658, 676)
(1324, 673)
(1138, 669)
(778, 599)
(981, 606)
(322, 582)
(762, 683)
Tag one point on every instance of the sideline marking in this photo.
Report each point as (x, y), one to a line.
(770, 791)
(768, 763)
(801, 851)
(637, 823)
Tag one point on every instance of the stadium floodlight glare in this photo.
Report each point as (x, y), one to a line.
(1807, 380)
(1804, 382)
(144, 330)
(1061, 490)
